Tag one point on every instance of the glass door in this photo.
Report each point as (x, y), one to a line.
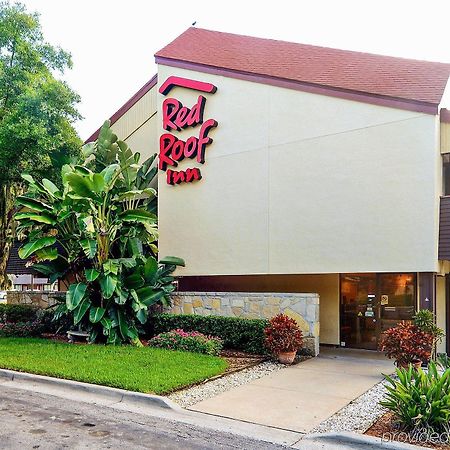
(372, 303)
(358, 311)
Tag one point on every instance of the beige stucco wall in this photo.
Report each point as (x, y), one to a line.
(440, 309)
(139, 126)
(302, 183)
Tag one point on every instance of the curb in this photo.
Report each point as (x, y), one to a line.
(109, 393)
(348, 440)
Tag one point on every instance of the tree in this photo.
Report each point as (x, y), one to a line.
(100, 231)
(37, 111)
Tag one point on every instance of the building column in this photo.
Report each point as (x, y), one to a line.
(427, 290)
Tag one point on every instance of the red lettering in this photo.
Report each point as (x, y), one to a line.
(178, 150)
(170, 108)
(193, 174)
(188, 176)
(204, 140)
(190, 149)
(196, 115)
(166, 142)
(176, 116)
(182, 115)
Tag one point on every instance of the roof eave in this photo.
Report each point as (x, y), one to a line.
(364, 97)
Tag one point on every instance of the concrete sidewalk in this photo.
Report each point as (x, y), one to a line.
(300, 397)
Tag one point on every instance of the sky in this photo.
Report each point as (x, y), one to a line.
(112, 42)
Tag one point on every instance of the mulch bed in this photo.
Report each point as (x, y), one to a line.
(385, 427)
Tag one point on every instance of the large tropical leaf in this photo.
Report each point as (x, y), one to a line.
(42, 217)
(134, 281)
(80, 311)
(123, 326)
(96, 314)
(89, 247)
(138, 215)
(150, 268)
(172, 260)
(47, 254)
(108, 284)
(28, 249)
(34, 204)
(91, 274)
(111, 266)
(148, 296)
(50, 187)
(75, 295)
(81, 185)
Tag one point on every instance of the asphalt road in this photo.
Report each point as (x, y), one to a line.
(31, 420)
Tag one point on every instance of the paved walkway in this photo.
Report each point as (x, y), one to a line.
(300, 397)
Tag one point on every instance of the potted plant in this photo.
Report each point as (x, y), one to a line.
(283, 338)
(407, 344)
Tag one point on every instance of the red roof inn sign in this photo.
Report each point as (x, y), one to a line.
(177, 117)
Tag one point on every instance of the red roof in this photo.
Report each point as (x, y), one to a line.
(385, 76)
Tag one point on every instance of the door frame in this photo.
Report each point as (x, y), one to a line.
(377, 296)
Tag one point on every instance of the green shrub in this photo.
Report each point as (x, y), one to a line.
(21, 329)
(188, 341)
(236, 333)
(420, 400)
(17, 313)
(50, 324)
(443, 361)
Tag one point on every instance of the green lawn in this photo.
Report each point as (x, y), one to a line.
(149, 370)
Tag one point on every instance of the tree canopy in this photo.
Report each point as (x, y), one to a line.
(37, 112)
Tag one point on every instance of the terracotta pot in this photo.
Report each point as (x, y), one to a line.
(417, 364)
(286, 357)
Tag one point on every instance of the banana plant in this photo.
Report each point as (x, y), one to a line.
(99, 230)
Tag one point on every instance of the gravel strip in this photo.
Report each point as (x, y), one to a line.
(191, 396)
(358, 415)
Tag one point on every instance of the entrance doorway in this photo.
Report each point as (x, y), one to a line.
(372, 303)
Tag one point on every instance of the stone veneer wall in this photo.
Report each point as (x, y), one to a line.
(303, 308)
(37, 298)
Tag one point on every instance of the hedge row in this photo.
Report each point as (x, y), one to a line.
(236, 333)
(17, 313)
(28, 320)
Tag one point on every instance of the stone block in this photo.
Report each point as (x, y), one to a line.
(216, 304)
(273, 301)
(315, 329)
(310, 346)
(197, 302)
(238, 302)
(225, 301)
(237, 311)
(254, 308)
(301, 322)
(176, 310)
(176, 301)
(187, 308)
(286, 303)
(312, 313)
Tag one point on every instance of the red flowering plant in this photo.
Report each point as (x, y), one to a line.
(407, 343)
(282, 335)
